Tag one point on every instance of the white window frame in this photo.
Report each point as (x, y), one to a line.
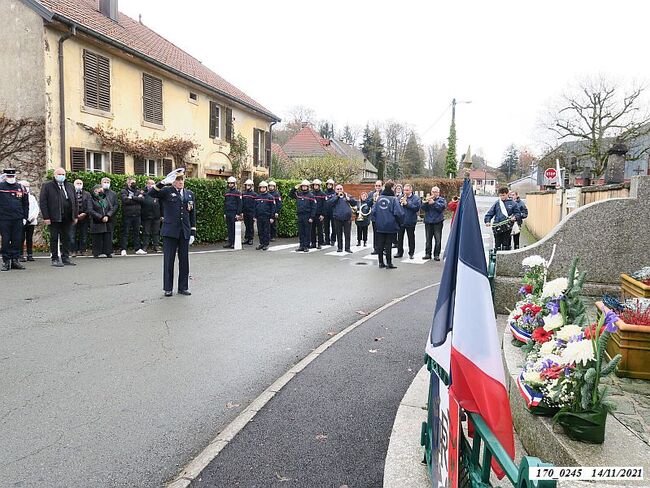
(91, 163)
(157, 167)
(217, 133)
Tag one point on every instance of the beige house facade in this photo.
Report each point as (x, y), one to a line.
(89, 70)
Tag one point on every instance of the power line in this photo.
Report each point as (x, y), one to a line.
(444, 112)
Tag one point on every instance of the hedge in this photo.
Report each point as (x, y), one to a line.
(209, 193)
(448, 188)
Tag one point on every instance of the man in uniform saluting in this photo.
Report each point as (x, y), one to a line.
(178, 229)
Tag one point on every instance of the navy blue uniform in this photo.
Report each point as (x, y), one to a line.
(317, 224)
(14, 208)
(342, 219)
(502, 239)
(248, 209)
(306, 209)
(387, 216)
(232, 207)
(434, 219)
(179, 210)
(328, 226)
(278, 207)
(523, 214)
(411, 210)
(265, 210)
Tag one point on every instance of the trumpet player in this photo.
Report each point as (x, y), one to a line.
(306, 210)
(362, 220)
(341, 206)
(373, 196)
(411, 204)
(434, 218)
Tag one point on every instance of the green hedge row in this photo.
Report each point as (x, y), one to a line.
(210, 224)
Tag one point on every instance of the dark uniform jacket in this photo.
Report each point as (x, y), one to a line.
(523, 211)
(411, 210)
(265, 206)
(388, 214)
(111, 196)
(341, 209)
(306, 203)
(371, 201)
(232, 202)
(82, 198)
(14, 202)
(320, 197)
(51, 202)
(97, 213)
(179, 212)
(329, 193)
(512, 208)
(278, 200)
(131, 202)
(150, 207)
(434, 212)
(248, 202)
(364, 221)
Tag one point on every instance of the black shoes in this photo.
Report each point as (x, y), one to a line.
(391, 266)
(305, 249)
(374, 253)
(260, 247)
(228, 246)
(318, 246)
(348, 250)
(300, 249)
(22, 259)
(427, 256)
(249, 242)
(6, 266)
(67, 262)
(168, 293)
(15, 264)
(184, 292)
(436, 258)
(265, 248)
(30, 258)
(381, 265)
(339, 250)
(358, 243)
(410, 256)
(397, 256)
(57, 264)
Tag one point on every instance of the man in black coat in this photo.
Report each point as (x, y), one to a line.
(111, 196)
(132, 199)
(59, 210)
(14, 210)
(150, 219)
(178, 230)
(79, 231)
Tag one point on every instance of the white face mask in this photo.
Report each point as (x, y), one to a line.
(79, 187)
(10, 180)
(106, 186)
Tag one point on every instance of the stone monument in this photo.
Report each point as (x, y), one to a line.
(615, 171)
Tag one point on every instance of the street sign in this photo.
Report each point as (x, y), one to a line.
(550, 173)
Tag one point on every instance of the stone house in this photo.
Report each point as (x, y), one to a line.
(484, 182)
(88, 70)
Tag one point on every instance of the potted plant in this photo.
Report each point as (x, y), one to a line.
(632, 339)
(637, 284)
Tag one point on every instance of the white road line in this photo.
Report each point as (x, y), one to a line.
(417, 259)
(282, 247)
(193, 469)
(352, 248)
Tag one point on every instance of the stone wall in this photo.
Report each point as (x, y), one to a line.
(609, 237)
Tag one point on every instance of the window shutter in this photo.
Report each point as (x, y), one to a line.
(267, 148)
(77, 159)
(167, 166)
(97, 81)
(229, 134)
(152, 102)
(138, 165)
(256, 147)
(213, 120)
(117, 163)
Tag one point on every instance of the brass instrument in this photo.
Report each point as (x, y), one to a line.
(375, 196)
(403, 200)
(361, 216)
(429, 199)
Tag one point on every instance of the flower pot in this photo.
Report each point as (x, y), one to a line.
(632, 342)
(634, 288)
(586, 426)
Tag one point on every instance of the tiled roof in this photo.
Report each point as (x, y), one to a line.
(279, 152)
(479, 174)
(137, 37)
(306, 143)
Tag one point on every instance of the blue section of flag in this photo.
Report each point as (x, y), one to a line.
(465, 243)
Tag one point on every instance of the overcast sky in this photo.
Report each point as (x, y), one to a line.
(354, 61)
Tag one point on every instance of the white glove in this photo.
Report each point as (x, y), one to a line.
(191, 240)
(24, 221)
(171, 177)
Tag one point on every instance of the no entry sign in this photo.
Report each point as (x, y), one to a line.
(550, 173)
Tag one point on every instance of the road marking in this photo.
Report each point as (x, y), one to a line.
(194, 468)
(352, 248)
(417, 259)
(282, 247)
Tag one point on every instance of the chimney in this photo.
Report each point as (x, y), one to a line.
(109, 9)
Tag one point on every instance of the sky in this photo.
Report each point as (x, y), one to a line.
(358, 61)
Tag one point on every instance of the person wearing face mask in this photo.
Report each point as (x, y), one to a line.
(178, 229)
(59, 209)
(98, 210)
(132, 199)
(328, 225)
(150, 219)
(30, 225)
(79, 231)
(232, 208)
(14, 211)
(248, 209)
(273, 191)
(111, 196)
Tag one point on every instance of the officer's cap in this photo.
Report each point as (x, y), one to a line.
(263, 184)
(232, 179)
(248, 182)
(10, 172)
(317, 182)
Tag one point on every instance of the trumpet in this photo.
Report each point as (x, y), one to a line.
(403, 200)
(375, 196)
(429, 198)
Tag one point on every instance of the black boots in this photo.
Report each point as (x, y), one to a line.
(15, 264)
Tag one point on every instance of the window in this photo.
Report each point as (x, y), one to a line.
(194, 97)
(152, 99)
(261, 147)
(96, 162)
(257, 140)
(153, 167)
(118, 163)
(97, 81)
(77, 159)
(215, 121)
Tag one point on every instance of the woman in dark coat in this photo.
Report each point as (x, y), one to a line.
(100, 209)
(388, 216)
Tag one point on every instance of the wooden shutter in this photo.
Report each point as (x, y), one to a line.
(256, 147)
(77, 159)
(97, 81)
(117, 163)
(213, 119)
(167, 166)
(267, 149)
(152, 101)
(138, 165)
(229, 134)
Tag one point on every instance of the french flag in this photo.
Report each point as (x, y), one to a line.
(464, 339)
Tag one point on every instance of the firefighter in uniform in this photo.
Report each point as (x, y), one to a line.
(248, 209)
(306, 210)
(265, 212)
(317, 224)
(328, 225)
(14, 210)
(178, 229)
(232, 208)
(278, 206)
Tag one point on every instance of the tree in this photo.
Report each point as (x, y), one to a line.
(413, 163)
(296, 118)
(510, 164)
(397, 135)
(22, 140)
(372, 148)
(527, 161)
(451, 165)
(326, 130)
(347, 136)
(599, 113)
(436, 158)
(239, 155)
